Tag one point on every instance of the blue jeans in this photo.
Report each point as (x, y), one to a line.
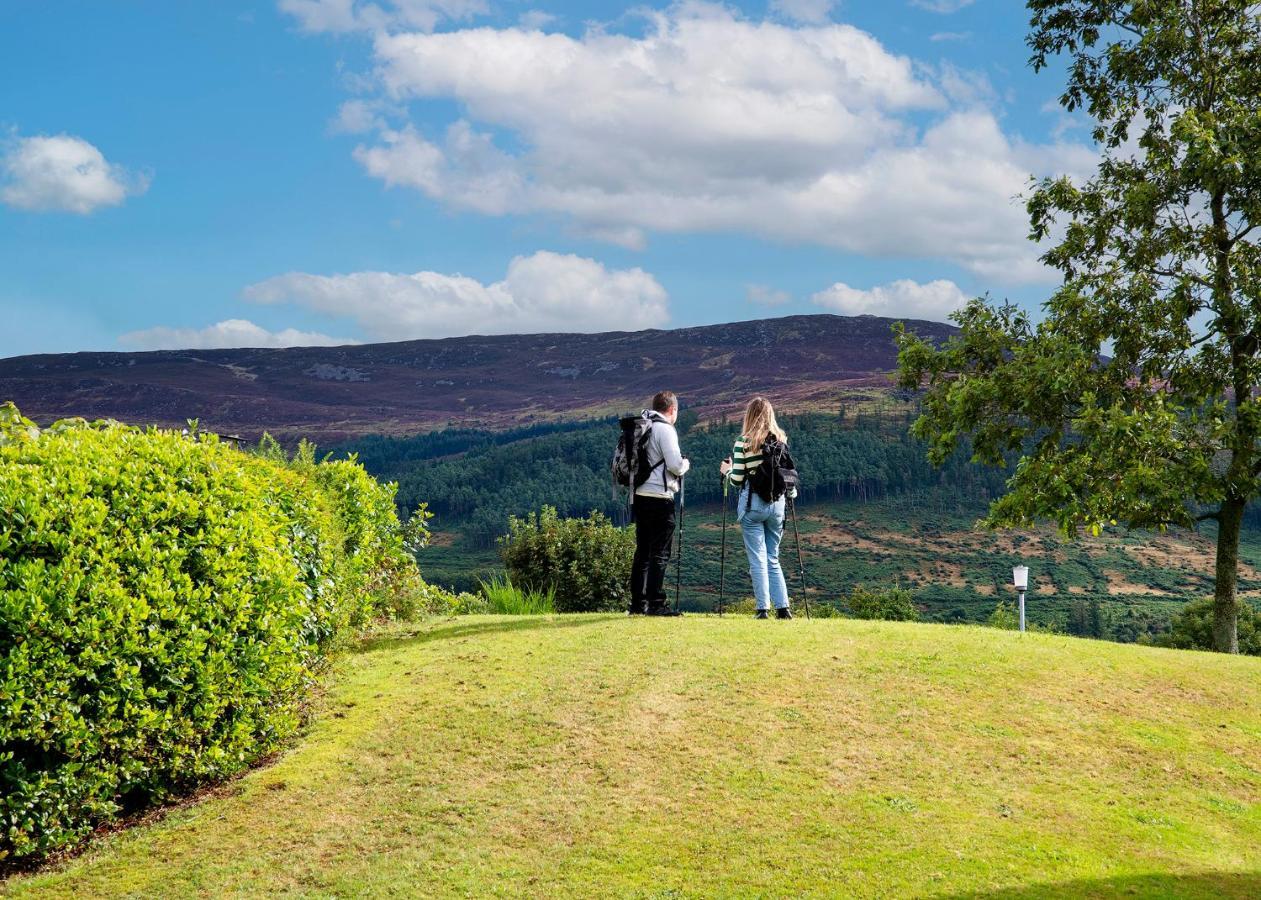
(762, 525)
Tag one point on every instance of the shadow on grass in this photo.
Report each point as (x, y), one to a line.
(1200, 884)
(455, 628)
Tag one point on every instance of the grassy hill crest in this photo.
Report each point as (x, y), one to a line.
(599, 756)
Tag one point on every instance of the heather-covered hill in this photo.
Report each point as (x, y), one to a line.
(330, 393)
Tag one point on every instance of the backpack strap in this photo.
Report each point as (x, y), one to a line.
(642, 447)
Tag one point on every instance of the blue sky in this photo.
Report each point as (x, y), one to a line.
(214, 174)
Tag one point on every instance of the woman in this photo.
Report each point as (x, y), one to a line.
(761, 522)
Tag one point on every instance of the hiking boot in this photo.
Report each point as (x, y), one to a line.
(761, 614)
(662, 609)
(783, 613)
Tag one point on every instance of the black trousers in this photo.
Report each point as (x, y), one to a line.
(654, 531)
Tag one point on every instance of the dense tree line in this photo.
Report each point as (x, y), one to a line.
(386, 455)
(493, 476)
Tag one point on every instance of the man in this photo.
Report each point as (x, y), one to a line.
(653, 509)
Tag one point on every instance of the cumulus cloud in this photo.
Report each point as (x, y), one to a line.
(541, 293)
(709, 122)
(814, 11)
(62, 173)
(934, 300)
(227, 334)
(357, 15)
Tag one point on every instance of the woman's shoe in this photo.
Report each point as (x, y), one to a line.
(761, 614)
(783, 613)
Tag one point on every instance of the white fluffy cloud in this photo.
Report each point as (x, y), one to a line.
(708, 122)
(62, 173)
(540, 293)
(357, 15)
(934, 300)
(226, 334)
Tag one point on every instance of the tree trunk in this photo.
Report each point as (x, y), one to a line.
(1225, 601)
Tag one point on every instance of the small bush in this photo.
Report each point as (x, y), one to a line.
(431, 600)
(585, 561)
(1004, 616)
(744, 607)
(893, 604)
(1192, 628)
(506, 599)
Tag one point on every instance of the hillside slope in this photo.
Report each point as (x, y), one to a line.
(599, 756)
(331, 393)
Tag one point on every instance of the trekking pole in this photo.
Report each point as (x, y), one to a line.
(801, 569)
(722, 566)
(678, 563)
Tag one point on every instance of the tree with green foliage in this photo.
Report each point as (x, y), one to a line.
(1135, 396)
(1087, 619)
(1192, 628)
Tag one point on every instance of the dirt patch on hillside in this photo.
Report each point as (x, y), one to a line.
(1119, 584)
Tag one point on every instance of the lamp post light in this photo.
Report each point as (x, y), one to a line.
(1020, 576)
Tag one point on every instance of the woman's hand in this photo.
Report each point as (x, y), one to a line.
(725, 466)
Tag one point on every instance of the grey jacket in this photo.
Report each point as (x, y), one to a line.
(663, 443)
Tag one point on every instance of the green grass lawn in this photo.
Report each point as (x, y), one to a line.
(601, 756)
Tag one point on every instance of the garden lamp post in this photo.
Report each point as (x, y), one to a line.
(1020, 576)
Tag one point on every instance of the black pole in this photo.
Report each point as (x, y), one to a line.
(678, 563)
(801, 569)
(722, 566)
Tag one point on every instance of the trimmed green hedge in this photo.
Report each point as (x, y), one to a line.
(164, 603)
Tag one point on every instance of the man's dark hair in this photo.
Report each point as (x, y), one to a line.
(664, 401)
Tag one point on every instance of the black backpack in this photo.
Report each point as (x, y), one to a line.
(775, 475)
(630, 459)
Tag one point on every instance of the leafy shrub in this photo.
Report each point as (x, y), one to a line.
(1192, 628)
(892, 604)
(378, 552)
(585, 561)
(427, 599)
(741, 607)
(1004, 616)
(506, 599)
(164, 603)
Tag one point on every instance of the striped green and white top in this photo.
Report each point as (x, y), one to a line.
(743, 461)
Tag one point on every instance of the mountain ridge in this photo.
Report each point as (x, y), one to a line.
(492, 381)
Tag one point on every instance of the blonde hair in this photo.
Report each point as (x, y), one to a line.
(759, 423)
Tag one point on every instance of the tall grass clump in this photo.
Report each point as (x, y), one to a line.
(165, 601)
(506, 599)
